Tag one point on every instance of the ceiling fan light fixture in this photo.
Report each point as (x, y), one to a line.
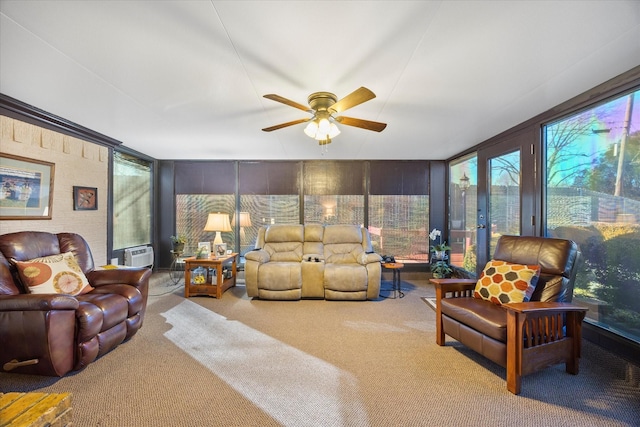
(321, 130)
(333, 130)
(322, 126)
(311, 129)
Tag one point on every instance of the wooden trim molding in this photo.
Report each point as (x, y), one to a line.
(19, 110)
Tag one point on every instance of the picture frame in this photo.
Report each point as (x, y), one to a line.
(26, 188)
(206, 245)
(220, 249)
(85, 198)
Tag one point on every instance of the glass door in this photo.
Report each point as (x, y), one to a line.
(503, 197)
(508, 172)
(463, 193)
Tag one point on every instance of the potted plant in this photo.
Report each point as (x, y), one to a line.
(203, 252)
(177, 243)
(441, 247)
(441, 269)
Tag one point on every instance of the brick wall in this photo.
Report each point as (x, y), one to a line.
(77, 162)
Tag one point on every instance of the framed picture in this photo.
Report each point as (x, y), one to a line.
(206, 245)
(85, 198)
(26, 188)
(220, 249)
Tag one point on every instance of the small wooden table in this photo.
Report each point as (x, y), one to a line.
(395, 267)
(214, 285)
(35, 409)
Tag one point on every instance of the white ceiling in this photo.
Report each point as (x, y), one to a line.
(185, 79)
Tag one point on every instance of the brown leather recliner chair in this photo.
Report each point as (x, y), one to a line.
(52, 334)
(523, 337)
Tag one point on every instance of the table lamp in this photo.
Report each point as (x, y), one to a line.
(245, 221)
(218, 222)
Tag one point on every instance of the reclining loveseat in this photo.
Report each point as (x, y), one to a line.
(333, 262)
(57, 312)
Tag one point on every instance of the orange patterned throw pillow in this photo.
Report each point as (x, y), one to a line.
(55, 274)
(502, 282)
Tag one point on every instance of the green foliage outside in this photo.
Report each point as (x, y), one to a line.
(610, 271)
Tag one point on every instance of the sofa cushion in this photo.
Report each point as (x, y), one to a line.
(503, 282)
(313, 232)
(284, 251)
(54, 274)
(345, 253)
(284, 233)
(345, 277)
(113, 308)
(132, 294)
(479, 314)
(279, 276)
(342, 234)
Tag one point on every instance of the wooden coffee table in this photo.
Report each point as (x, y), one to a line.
(214, 284)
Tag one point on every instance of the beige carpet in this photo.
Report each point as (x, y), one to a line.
(243, 362)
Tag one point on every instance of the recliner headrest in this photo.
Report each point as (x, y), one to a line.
(554, 256)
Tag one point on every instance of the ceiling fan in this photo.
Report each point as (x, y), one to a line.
(324, 106)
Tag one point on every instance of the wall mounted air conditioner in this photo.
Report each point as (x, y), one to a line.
(139, 256)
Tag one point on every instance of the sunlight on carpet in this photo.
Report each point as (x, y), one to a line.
(431, 302)
(288, 384)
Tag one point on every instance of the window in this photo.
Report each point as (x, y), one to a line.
(593, 197)
(334, 209)
(131, 201)
(192, 211)
(203, 188)
(333, 192)
(268, 194)
(399, 226)
(264, 210)
(399, 209)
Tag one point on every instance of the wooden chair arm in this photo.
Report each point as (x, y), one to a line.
(453, 285)
(540, 334)
(542, 307)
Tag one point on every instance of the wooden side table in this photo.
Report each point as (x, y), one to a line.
(213, 285)
(35, 409)
(395, 268)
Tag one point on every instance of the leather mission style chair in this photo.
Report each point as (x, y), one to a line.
(523, 337)
(78, 314)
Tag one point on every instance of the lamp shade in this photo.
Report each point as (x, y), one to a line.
(218, 222)
(245, 220)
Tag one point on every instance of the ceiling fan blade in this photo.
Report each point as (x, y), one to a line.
(359, 123)
(356, 97)
(284, 125)
(288, 102)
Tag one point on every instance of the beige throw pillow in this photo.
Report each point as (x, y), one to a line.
(55, 274)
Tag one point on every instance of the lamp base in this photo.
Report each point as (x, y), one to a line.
(218, 239)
